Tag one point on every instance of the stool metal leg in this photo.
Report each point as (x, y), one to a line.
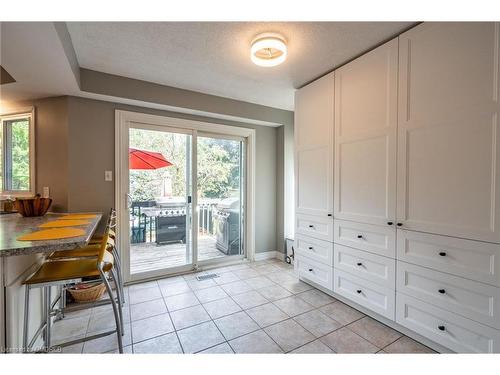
(48, 317)
(118, 279)
(120, 309)
(115, 310)
(26, 318)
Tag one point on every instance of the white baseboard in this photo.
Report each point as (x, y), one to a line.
(269, 255)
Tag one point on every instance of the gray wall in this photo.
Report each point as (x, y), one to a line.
(75, 145)
(91, 152)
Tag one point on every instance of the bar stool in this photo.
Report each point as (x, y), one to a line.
(92, 251)
(66, 271)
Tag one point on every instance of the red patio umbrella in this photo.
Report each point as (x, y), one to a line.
(142, 159)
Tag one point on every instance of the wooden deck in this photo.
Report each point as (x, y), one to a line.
(148, 256)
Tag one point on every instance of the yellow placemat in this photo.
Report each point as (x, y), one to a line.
(64, 223)
(77, 216)
(52, 234)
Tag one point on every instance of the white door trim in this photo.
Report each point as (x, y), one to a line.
(123, 120)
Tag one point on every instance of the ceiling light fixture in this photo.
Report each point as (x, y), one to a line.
(268, 49)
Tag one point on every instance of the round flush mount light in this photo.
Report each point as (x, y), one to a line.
(268, 49)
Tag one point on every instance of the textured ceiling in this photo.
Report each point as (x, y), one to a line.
(213, 57)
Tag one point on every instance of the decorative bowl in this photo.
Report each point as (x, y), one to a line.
(35, 206)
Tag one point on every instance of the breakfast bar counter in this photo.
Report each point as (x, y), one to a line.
(18, 259)
(14, 225)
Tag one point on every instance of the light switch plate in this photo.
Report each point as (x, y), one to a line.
(108, 175)
(46, 192)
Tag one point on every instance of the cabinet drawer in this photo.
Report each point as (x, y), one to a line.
(470, 299)
(380, 270)
(375, 297)
(479, 261)
(314, 226)
(316, 272)
(312, 248)
(446, 328)
(373, 238)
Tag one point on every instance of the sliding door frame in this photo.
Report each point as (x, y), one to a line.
(124, 120)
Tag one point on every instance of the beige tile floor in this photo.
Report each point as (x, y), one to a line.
(258, 307)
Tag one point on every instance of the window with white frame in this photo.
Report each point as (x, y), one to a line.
(17, 153)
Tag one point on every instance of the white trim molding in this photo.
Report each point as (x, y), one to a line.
(269, 255)
(126, 119)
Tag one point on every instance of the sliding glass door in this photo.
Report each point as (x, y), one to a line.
(185, 199)
(221, 197)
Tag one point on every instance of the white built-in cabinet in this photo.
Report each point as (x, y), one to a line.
(402, 146)
(314, 148)
(448, 135)
(365, 137)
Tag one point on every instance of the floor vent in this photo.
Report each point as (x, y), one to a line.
(206, 277)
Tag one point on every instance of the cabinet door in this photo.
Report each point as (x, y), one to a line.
(314, 148)
(448, 136)
(365, 137)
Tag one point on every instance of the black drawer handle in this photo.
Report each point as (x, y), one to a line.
(311, 226)
(330, 215)
(442, 254)
(442, 291)
(399, 224)
(358, 291)
(390, 223)
(310, 269)
(359, 264)
(310, 247)
(360, 236)
(441, 328)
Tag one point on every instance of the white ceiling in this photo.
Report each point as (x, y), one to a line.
(213, 57)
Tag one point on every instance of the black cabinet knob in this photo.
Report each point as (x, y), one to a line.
(310, 269)
(358, 291)
(442, 254)
(442, 291)
(359, 264)
(399, 224)
(360, 236)
(311, 226)
(330, 215)
(310, 247)
(441, 328)
(389, 223)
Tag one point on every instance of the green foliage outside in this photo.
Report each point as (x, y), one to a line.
(218, 166)
(20, 154)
